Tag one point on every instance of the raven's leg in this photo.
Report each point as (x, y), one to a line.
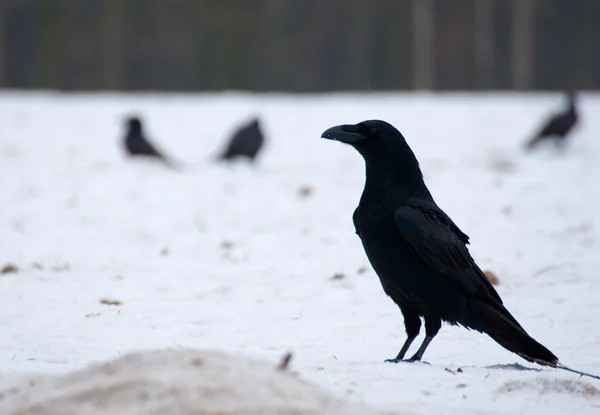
(432, 326)
(412, 323)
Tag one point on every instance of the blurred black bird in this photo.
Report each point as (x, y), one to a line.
(137, 144)
(558, 127)
(245, 142)
(419, 254)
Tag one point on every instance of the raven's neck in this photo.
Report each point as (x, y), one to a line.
(134, 135)
(572, 103)
(401, 182)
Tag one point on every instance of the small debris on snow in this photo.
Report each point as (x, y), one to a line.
(226, 245)
(110, 302)
(37, 265)
(549, 268)
(580, 228)
(91, 315)
(305, 191)
(504, 166)
(9, 268)
(61, 268)
(338, 276)
(164, 252)
(285, 361)
(362, 270)
(492, 278)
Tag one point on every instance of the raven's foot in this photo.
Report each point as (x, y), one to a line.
(405, 361)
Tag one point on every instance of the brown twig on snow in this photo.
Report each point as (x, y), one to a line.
(285, 362)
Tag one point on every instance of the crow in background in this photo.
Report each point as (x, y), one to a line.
(136, 143)
(419, 254)
(246, 142)
(558, 126)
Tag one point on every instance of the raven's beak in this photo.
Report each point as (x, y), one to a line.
(344, 133)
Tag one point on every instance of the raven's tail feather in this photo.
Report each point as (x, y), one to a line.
(531, 144)
(501, 326)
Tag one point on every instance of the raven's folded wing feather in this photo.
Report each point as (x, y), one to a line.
(438, 242)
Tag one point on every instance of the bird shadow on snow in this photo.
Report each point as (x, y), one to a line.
(501, 367)
(513, 366)
(540, 385)
(552, 386)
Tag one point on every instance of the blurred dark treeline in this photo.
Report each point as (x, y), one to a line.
(299, 45)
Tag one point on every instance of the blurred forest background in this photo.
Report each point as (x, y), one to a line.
(299, 45)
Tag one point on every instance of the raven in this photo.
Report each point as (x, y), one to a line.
(245, 142)
(558, 126)
(136, 143)
(419, 254)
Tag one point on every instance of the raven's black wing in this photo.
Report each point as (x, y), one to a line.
(138, 145)
(439, 243)
(556, 125)
(245, 142)
(149, 149)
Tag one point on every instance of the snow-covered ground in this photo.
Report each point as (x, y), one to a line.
(240, 258)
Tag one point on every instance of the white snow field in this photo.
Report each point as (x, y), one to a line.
(240, 258)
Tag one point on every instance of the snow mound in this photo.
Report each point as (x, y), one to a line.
(172, 382)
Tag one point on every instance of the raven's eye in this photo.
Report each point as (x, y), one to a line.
(372, 132)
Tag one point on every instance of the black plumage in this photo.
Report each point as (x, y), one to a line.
(136, 143)
(245, 142)
(558, 127)
(419, 254)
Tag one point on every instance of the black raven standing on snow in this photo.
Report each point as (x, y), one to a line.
(245, 142)
(136, 143)
(419, 254)
(557, 127)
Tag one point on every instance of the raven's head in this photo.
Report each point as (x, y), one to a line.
(383, 147)
(134, 124)
(372, 138)
(373, 135)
